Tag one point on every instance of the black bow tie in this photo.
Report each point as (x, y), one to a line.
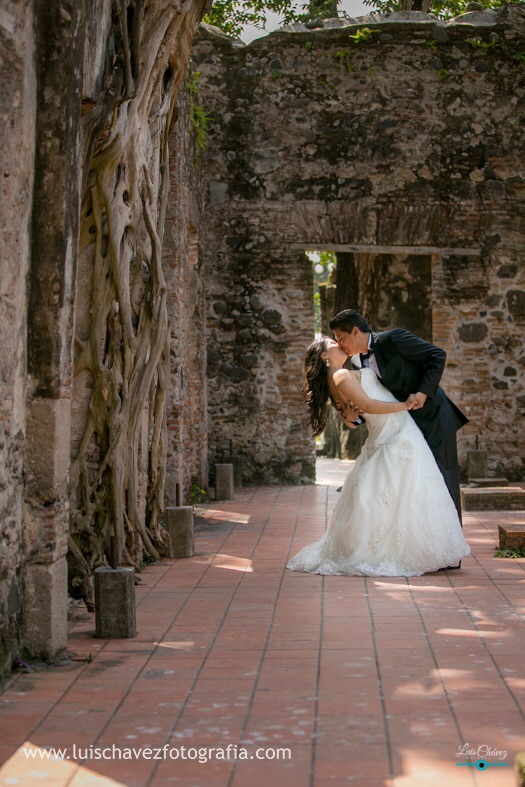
(366, 355)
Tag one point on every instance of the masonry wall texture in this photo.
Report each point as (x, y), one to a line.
(404, 140)
(17, 114)
(183, 263)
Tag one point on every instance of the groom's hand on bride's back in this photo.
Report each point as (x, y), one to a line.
(350, 415)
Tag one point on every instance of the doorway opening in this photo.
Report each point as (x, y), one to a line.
(391, 288)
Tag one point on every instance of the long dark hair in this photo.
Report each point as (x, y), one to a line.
(315, 384)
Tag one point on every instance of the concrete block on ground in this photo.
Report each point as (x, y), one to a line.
(236, 461)
(494, 498)
(115, 602)
(45, 605)
(224, 482)
(179, 524)
(476, 464)
(512, 536)
(173, 489)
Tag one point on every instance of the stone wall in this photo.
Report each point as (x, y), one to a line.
(405, 140)
(17, 118)
(183, 264)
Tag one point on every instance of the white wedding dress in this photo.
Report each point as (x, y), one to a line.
(395, 516)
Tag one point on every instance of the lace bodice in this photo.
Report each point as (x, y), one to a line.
(384, 426)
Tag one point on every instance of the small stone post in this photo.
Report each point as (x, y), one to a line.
(236, 461)
(115, 602)
(476, 462)
(179, 524)
(224, 482)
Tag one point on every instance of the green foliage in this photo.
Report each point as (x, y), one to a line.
(442, 73)
(309, 45)
(276, 73)
(486, 46)
(520, 57)
(323, 262)
(200, 119)
(232, 15)
(147, 560)
(516, 552)
(345, 58)
(197, 495)
(444, 9)
(362, 35)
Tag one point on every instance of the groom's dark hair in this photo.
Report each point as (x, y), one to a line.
(348, 319)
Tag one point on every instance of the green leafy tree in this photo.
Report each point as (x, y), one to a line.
(232, 15)
(445, 9)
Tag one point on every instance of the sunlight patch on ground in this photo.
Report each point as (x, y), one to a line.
(402, 587)
(224, 516)
(422, 767)
(176, 645)
(233, 563)
(475, 634)
(24, 770)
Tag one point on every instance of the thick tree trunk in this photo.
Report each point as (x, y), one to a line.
(122, 339)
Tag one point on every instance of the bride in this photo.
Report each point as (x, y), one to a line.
(395, 516)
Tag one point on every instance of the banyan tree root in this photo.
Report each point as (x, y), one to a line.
(117, 476)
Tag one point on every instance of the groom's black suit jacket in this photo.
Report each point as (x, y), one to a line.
(407, 365)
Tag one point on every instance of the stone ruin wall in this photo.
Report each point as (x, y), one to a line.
(17, 113)
(408, 142)
(183, 262)
(45, 173)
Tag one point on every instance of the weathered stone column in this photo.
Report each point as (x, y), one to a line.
(54, 241)
(17, 111)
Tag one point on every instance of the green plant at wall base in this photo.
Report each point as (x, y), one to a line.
(432, 43)
(309, 45)
(197, 495)
(442, 73)
(516, 552)
(520, 57)
(276, 73)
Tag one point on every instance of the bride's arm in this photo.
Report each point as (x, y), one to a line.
(349, 389)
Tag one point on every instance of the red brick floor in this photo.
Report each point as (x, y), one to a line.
(370, 682)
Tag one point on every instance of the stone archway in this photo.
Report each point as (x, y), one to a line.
(406, 140)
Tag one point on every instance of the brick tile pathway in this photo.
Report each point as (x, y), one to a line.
(370, 682)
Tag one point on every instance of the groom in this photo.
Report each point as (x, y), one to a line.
(410, 368)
